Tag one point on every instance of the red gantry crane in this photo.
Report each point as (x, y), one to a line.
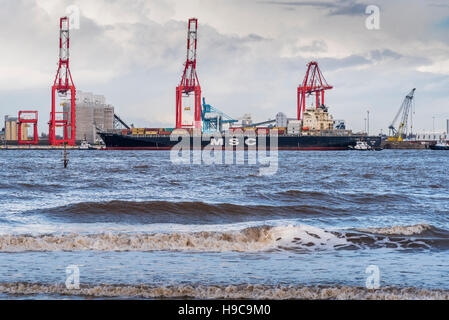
(189, 82)
(313, 83)
(28, 117)
(63, 84)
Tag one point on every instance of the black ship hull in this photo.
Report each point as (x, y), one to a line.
(117, 141)
(436, 147)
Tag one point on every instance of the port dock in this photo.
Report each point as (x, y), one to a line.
(45, 147)
(405, 145)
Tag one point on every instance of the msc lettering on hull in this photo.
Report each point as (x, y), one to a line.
(231, 149)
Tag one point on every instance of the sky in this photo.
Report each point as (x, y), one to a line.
(252, 55)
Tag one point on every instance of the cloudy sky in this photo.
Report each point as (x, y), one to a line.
(252, 54)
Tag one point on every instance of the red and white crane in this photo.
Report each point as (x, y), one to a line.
(63, 85)
(28, 118)
(189, 82)
(313, 83)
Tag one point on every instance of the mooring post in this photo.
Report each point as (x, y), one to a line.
(66, 160)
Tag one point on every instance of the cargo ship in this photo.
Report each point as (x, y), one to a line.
(316, 131)
(118, 141)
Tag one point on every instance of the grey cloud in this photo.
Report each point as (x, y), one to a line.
(137, 63)
(315, 46)
(439, 4)
(321, 4)
(372, 57)
(379, 55)
(255, 37)
(347, 62)
(341, 7)
(349, 8)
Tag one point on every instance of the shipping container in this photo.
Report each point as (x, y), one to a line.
(180, 131)
(138, 131)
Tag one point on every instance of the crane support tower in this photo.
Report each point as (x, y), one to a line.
(213, 119)
(65, 88)
(405, 111)
(28, 117)
(189, 82)
(313, 83)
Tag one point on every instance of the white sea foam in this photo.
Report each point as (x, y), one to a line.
(226, 292)
(260, 238)
(399, 230)
(246, 239)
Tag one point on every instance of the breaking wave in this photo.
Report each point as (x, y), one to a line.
(300, 238)
(419, 236)
(176, 212)
(247, 240)
(257, 292)
(401, 230)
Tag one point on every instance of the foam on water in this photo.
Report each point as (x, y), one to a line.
(400, 230)
(302, 238)
(224, 292)
(364, 209)
(250, 239)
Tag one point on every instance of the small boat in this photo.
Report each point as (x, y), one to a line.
(361, 146)
(86, 146)
(442, 145)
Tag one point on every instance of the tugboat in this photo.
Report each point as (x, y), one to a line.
(361, 146)
(442, 145)
(85, 145)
